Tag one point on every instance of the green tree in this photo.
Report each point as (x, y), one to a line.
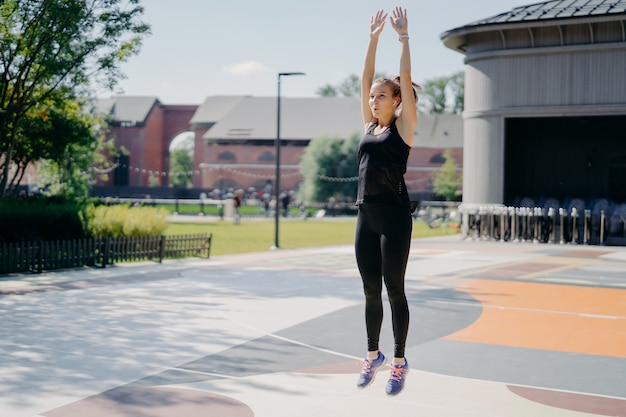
(64, 141)
(349, 87)
(439, 95)
(448, 181)
(181, 167)
(327, 91)
(54, 52)
(443, 94)
(330, 167)
(434, 95)
(456, 85)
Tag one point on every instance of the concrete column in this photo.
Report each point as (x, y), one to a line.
(483, 156)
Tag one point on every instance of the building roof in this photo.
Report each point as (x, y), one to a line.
(551, 10)
(127, 109)
(214, 109)
(439, 131)
(303, 119)
(103, 106)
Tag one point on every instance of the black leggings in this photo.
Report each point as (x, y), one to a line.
(382, 243)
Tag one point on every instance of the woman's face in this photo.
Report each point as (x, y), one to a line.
(382, 103)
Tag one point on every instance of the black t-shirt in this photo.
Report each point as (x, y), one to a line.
(382, 164)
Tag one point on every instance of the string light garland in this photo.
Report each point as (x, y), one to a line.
(205, 169)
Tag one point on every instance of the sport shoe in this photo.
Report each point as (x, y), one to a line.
(370, 366)
(397, 378)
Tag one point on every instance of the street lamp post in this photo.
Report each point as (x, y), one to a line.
(277, 145)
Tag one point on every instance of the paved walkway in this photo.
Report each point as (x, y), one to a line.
(497, 329)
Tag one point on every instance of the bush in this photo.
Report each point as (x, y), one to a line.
(38, 217)
(24, 219)
(122, 220)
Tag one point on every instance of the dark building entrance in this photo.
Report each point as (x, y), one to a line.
(565, 158)
(120, 174)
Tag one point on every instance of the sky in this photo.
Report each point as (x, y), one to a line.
(203, 48)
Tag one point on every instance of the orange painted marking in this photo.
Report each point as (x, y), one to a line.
(546, 316)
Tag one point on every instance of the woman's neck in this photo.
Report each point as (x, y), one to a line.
(385, 123)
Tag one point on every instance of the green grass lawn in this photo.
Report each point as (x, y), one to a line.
(258, 235)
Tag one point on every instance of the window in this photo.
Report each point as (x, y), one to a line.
(437, 159)
(267, 157)
(227, 156)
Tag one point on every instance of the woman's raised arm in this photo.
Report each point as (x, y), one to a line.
(407, 119)
(377, 23)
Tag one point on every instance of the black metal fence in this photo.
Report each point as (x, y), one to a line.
(539, 225)
(42, 256)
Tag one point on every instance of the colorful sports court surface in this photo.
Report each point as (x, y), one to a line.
(497, 330)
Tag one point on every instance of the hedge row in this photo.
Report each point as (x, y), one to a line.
(49, 218)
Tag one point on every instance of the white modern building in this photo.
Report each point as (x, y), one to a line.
(545, 104)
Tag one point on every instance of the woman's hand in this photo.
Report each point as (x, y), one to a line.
(399, 21)
(377, 23)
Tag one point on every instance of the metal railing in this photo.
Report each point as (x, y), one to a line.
(536, 225)
(39, 256)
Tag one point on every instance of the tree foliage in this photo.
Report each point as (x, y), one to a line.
(439, 95)
(448, 181)
(330, 167)
(51, 54)
(67, 145)
(349, 87)
(457, 89)
(181, 168)
(443, 94)
(181, 160)
(327, 91)
(434, 95)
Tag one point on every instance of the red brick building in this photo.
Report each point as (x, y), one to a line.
(144, 128)
(235, 139)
